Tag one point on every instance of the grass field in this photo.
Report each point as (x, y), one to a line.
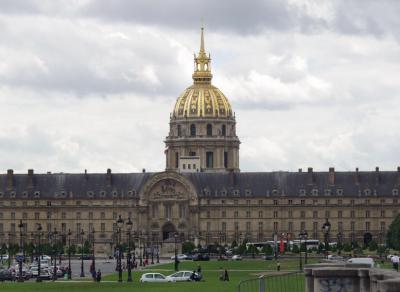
(238, 270)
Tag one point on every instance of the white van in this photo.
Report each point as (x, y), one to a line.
(368, 261)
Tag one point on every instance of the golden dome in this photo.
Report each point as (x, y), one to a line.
(202, 99)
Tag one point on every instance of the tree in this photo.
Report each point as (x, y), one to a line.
(295, 249)
(268, 250)
(393, 235)
(234, 244)
(188, 247)
(372, 246)
(347, 247)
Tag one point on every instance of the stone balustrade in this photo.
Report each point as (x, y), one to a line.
(346, 277)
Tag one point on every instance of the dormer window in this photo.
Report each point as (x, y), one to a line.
(102, 194)
(367, 192)
(12, 194)
(302, 192)
(395, 192)
(115, 194)
(223, 192)
(339, 192)
(327, 192)
(90, 194)
(247, 192)
(314, 192)
(1, 195)
(236, 192)
(275, 192)
(25, 194)
(36, 194)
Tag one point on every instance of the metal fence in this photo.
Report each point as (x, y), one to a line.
(289, 282)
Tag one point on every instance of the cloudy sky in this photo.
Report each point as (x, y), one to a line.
(89, 84)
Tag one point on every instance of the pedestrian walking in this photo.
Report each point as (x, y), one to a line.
(226, 276)
(395, 262)
(98, 276)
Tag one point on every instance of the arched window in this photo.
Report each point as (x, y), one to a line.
(209, 130)
(179, 130)
(223, 130)
(192, 130)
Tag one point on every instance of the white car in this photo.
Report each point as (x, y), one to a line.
(181, 276)
(236, 257)
(180, 257)
(154, 277)
(368, 261)
(45, 257)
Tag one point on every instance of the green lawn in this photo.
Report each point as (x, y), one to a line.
(238, 270)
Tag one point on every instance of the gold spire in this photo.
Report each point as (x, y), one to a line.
(202, 69)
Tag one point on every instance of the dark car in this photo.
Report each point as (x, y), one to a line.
(86, 257)
(5, 275)
(201, 257)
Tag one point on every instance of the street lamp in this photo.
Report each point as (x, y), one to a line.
(326, 229)
(82, 272)
(339, 239)
(140, 250)
(152, 249)
(69, 254)
(158, 251)
(128, 258)
(303, 236)
(120, 223)
(54, 237)
(176, 252)
(93, 254)
(21, 247)
(39, 231)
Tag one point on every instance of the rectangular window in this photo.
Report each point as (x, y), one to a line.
(223, 215)
(367, 226)
(275, 214)
(226, 159)
(302, 225)
(290, 226)
(63, 228)
(315, 226)
(352, 214)
(103, 215)
(13, 215)
(260, 214)
(339, 214)
(24, 215)
(340, 226)
(367, 214)
(103, 227)
(223, 226)
(383, 226)
(302, 202)
(302, 215)
(209, 159)
(290, 202)
(90, 215)
(275, 202)
(176, 159)
(63, 215)
(315, 214)
(208, 226)
(352, 226)
(236, 214)
(78, 215)
(48, 215)
(248, 226)
(290, 214)
(327, 214)
(37, 215)
(276, 226)
(247, 214)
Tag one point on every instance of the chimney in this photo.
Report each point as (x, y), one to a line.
(331, 176)
(310, 178)
(109, 177)
(300, 170)
(377, 176)
(144, 170)
(86, 175)
(398, 175)
(30, 178)
(356, 177)
(10, 178)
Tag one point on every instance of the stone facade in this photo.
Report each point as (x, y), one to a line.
(216, 203)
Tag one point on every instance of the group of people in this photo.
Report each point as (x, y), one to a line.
(96, 276)
(395, 262)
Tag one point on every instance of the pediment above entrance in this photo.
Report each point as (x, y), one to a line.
(168, 186)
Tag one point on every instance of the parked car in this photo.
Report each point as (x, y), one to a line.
(268, 257)
(5, 275)
(155, 277)
(236, 257)
(201, 257)
(180, 257)
(184, 276)
(368, 261)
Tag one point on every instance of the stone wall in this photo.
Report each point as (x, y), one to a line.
(335, 277)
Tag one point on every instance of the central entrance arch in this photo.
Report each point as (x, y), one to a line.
(168, 231)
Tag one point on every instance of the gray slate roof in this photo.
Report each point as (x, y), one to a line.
(247, 184)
